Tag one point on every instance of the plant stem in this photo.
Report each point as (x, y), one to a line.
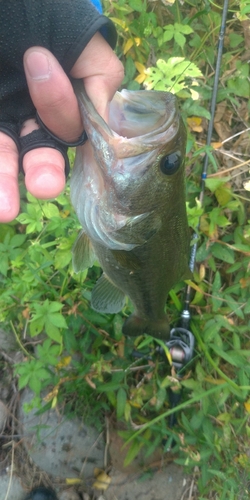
(20, 343)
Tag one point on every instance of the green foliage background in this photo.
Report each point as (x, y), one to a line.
(79, 356)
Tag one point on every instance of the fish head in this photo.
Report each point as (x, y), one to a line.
(135, 162)
(157, 134)
(149, 147)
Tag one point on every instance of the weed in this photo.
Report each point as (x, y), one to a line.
(79, 356)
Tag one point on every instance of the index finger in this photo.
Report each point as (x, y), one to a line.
(9, 193)
(52, 94)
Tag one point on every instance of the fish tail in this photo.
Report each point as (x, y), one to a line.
(135, 326)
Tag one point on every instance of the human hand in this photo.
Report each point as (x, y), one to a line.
(53, 97)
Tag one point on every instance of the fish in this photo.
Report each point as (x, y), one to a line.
(128, 191)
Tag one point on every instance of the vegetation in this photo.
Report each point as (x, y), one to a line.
(79, 355)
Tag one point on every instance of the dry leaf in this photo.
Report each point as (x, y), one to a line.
(73, 480)
(65, 361)
(51, 395)
(129, 43)
(202, 272)
(140, 78)
(90, 382)
(120, 347)
(223, 130)
(102, 481)
(247, 406)
(216, 145)
(140, 67)
(194, 123)
(246, 185)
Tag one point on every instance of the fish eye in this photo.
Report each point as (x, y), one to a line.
(169, 164)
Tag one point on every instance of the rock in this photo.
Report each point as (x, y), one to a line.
(70, 494)
(7, 341)
(61, 447)
(15, 492)
(86, 496)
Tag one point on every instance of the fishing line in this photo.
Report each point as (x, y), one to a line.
(182, 342)
(208, 144)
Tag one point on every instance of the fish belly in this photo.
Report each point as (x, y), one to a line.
(146, 274)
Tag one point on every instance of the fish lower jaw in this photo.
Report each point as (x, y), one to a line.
(135, 326)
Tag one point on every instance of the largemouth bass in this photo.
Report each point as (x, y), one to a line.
(128, 190)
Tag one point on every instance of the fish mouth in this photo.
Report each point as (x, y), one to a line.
(141, 113)
(139, 121)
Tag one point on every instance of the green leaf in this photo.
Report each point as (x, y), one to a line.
(216, 296)
(133, 85)
(213, 183)
(211, 329)
(239, 86)
(235, 39)
(54, 307)
(224, 355)
(196, 420)
(57, 319)
(136, 5)
(168, 35)
(146, 341)
(18, 240)
(62, 258)
(130, 69)
(244, 381)
(133, 452)
(183, 28)
(223, 253)
(50, 210)
(23, 380)
(35, 384)
(191, 384)
(202, 252)
(48, 353)
(4, 264)
(160, 398)
(180, 39)
(247, 307)
(218, 473)
(121, 402)
(171, 74)
(186, 424)
(236, 341)
(245, 10)
(36, 326)
(234, 306)
(53, 332)
(109, 386)
(192, 108)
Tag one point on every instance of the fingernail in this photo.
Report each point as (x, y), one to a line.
(38, 66)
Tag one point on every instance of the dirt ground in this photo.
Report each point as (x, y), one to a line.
(51, 456)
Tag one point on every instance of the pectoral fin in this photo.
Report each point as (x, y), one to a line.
(106, 297)
(128, 260)
(141, 228)
(83, 253)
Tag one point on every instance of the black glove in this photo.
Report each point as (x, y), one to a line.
(62, 26)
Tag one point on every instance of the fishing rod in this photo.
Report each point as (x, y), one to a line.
(182, 342)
